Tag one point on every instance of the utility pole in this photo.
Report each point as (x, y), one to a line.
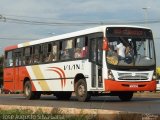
(146, 24)
(145, 15)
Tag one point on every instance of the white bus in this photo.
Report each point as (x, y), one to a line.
(87, 62)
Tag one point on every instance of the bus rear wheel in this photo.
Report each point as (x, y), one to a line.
(81, 91)
(28, 90)
(125, 96)
(28, 93)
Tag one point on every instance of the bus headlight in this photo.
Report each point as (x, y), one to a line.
(154, 77)
(110, 75)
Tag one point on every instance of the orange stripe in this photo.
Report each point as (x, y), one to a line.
(60, 77)
(64, 80)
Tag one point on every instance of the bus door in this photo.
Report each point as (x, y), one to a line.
(8, 71)
(17, 64)
(96, 60)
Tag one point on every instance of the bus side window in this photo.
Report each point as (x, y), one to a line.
(36, 56)
(48, 53)
(43, 52)
(53, 54)
(16, 59)
(27, 56)
(20, 57)
(80, 47)
(67, 50)
(9, 59)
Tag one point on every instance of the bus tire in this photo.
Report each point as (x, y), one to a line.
(81, 91)
(125, 96)
(63, 95)
(28, 93)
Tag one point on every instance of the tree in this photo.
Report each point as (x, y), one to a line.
(1, 70)
(158, 72)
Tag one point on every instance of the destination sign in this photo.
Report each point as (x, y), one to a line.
(123, 32)
(128, 32)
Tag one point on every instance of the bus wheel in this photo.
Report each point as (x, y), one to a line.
(81, 91)
(63, 95)
(126, 96)
(28, 91)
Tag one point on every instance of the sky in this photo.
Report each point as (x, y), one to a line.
(26, 20)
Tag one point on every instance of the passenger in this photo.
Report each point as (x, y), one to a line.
(112, 56)
(65, 55)
(84, 52)
(36, 59)
(128, 55)
(51, 57)
(121, 51)
(78, 53)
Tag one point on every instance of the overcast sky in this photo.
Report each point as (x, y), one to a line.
(25, 20)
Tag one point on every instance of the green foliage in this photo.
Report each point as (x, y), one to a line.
(57, 114)
(1, 59)
(16, 111)
(1, 70)
(158, 71)
(41, 115)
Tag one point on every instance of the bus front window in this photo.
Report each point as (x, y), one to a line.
(130, 51)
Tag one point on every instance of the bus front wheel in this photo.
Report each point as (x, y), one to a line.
(81, 91)
(125, 96)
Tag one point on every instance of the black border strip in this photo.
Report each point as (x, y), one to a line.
(54, 78)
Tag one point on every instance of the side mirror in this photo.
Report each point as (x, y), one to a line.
(105, 44)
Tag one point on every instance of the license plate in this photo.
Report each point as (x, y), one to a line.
(133, 86)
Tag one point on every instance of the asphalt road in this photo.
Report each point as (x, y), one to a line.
(140, 103)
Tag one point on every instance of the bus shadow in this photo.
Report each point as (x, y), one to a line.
(114, 99)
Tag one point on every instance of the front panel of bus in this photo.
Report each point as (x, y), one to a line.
(130, 60)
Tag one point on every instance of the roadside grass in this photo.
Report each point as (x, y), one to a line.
(57, 114)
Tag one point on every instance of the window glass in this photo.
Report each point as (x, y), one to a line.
(27, 56)
(47, 54)
(16, 58)
(20, 57)
(36, 54)
(27, 51)
(96, 50)
(80, 47)
(136, 51)
(54, 52)
(67, 49)
(9, 59)
(43, 54)
(99, 41)
(93, 49)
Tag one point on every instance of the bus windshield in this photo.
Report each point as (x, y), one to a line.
(130, 47)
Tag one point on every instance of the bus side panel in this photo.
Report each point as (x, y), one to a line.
(8, 77)
(23, 74)
(57, 76)
(111, 85)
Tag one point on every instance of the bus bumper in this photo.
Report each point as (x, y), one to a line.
(111, 85)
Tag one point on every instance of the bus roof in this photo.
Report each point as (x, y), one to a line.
(68, 35)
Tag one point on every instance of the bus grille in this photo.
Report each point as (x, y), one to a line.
(133, 76)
